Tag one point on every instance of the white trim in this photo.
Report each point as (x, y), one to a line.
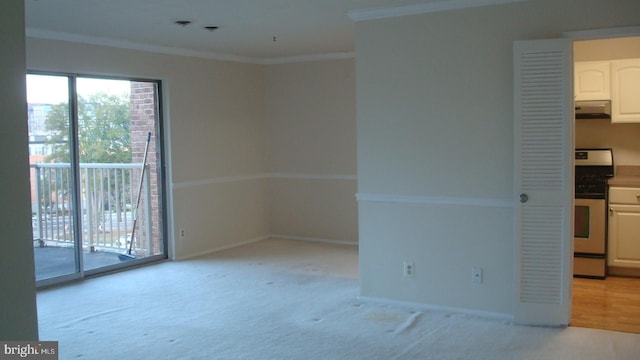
(428, 307)
(124, 44)
(313, 239)
(312, 176)
(603, 33)
(218, 180)
(262, 238)
(221, 248)
(168, 50)
(434, 200)
(230, 179)
(308, 58)
(424, 8)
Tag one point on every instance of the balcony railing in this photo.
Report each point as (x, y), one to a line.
(107, 206)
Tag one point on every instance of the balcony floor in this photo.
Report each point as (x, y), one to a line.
(52, 261)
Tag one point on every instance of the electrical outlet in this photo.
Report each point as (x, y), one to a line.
(182, 233)
(409, 269)
(476, 275)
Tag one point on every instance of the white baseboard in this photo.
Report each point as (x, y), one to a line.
(222, 248)
(313, 239)
(265, 237)
(423, 306)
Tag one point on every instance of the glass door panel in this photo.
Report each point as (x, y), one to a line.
(53, 220)
(96, 174)
(120, 202)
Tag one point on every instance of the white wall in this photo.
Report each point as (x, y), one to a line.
(311, 132)
(622, 138)
(435, 138)
(18, 315)
(255, 150)
(215, 123)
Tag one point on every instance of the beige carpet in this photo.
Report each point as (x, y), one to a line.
(280, 299)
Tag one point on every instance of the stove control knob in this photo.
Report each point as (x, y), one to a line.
(524, 198)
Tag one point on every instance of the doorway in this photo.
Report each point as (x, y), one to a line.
(96, 172)
(609, 304)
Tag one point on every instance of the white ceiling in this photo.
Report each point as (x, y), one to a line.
(301, 28)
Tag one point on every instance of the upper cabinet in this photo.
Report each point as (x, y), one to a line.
(615, 80)
(625, 91)
(592, 80)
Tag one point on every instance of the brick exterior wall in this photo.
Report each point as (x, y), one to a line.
(144, 113)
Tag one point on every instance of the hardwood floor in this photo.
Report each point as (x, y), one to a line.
(610, 304)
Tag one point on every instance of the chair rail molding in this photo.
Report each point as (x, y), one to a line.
(262, 176)
(434, 200)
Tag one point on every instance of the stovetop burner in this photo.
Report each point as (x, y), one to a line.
(593, 168)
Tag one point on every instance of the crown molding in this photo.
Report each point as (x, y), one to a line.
(308, 58)
(603, 33)
(424, 8)
(123, 44)
(167, 50)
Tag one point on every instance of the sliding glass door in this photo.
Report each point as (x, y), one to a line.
(96, 174)
(53, 219)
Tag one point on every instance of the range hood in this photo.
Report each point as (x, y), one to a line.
(596, 109)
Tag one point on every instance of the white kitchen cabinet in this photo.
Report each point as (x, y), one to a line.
(625, 91)
(592, 80)
(624, 227)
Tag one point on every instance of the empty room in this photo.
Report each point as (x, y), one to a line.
(362, 179)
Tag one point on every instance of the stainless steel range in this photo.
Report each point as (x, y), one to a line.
(593, 167)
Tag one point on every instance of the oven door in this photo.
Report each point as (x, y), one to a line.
(589, 226)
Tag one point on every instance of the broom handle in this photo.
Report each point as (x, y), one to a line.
(135, 211)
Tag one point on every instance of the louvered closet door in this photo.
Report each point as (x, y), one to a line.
(543, 180)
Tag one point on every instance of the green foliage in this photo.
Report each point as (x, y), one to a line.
(104, 133)
(57, 123)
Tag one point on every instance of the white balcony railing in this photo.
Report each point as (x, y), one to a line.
(108, 198)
